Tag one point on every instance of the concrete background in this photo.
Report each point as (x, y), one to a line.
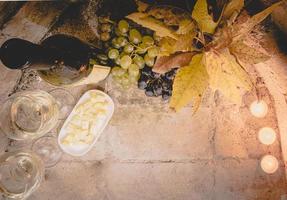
(148, 152)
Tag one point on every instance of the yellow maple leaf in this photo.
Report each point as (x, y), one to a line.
(226, 75)
(189, 84)
(247, 54)
(232, 6)
(240, 30)
(146, 21)
(166, 46)
(185, 26)
(201, 16)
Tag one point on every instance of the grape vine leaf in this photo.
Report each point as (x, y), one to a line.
(166, 46)
(247, 54)
(185, 26)
(146, 21)
(226, 75)
(240, 30)
(184, 43)
(190, 84)
(232, 6)
(201, 16)
(166, 63)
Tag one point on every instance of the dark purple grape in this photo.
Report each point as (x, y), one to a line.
(170, 75)
(158, 91)
(149, 92)
(156, 75)
(147, 71)
(166, 95)
(142, 84)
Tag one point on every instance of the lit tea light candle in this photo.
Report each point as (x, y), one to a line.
(259, 109)
(269, 164)
(267, 136)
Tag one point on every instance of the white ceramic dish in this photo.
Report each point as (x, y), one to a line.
(80, 150)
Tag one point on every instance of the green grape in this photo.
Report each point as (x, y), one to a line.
(115, 71)
(113, 53)
(126, 61)
(148, 40)
(135, 36)
(123, 54)
(128, 48)
(122, 41)
(139, 61)
(123, 26)
(134, 79)
(115, 43)
(105, 36)
(153, 52)
(149, 61)
(106, 28)
(142, 48)
(125, 81)
(118, 79)
(118, 60)
(102, 57)
(134, 70)
(118, 71)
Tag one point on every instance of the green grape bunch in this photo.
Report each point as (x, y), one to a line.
(129, 50)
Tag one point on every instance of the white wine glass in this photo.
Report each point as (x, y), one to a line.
(21, 173)
(29, 115)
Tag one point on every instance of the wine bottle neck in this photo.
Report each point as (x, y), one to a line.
(17, 53)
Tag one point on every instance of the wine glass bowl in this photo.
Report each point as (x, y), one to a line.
(21, 173)
(48, 150)
(29, 115)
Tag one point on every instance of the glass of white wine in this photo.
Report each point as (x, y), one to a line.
(21, 173)
(29, 115)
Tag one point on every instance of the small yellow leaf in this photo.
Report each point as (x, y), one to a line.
(146, 21)
(201, 16)
(232, 6)
(242, 29)
(247, 54)
(226, 75)
(142, 7)
(189, 85)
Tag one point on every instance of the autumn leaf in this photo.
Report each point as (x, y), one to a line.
(166, 46)
(226, 75)
(142, 7)
(185, 26)
(242, 29)
(232, 6)
(247, 54)
(184, 43)
(190, 84)
(171, 16)
(146, 21)
(201, 16)
(166, 63)
(170, 46)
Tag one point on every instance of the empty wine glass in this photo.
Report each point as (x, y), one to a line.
(48, 149)
(29, 115)
(21, 173)
(65, 101)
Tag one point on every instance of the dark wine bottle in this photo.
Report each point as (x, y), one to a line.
(59, 59)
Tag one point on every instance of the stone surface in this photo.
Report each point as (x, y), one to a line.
(148, 152)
